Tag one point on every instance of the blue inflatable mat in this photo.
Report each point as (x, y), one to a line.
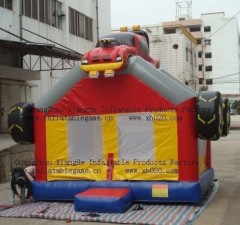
(110, 200)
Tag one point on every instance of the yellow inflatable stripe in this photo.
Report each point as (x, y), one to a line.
(210, 121)
(212, 99)
(110, 135)
(200, 119)
(56, 142)
(165, 139)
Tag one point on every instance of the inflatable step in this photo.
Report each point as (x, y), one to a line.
(108, 200)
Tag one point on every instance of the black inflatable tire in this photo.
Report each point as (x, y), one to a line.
(20, 122)
(209, 115)
(226, 117)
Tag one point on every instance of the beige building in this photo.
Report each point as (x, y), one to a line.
(212, 64)
(176, 48)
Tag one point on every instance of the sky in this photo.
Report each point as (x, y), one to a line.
(146, 12)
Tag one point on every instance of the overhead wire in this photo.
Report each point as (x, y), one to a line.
(224, 25)
(229, 75)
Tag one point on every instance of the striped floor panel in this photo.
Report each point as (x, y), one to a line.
(167, 214)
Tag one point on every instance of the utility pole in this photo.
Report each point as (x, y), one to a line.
(97, 19)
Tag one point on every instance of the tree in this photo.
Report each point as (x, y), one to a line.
(236, 106)
(203, 88)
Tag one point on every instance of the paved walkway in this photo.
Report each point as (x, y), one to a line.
(225, 207)
(235, 121)
(6, 141)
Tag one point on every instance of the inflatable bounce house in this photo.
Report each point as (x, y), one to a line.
(117, 130)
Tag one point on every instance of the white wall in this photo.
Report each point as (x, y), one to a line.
(104, 17)
(10, 20)
(175, 60)
(224, 46)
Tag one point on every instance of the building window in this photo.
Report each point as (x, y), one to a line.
(200, 54)
(199, 41)
(59, 14)
(207, 29)
(195, 29)
(191, 55)
(208, 55)
(6, 4)
(88, 26)
(27, 8)
(175, 46)
(199, 67)
(187, 54)
(209, 81)
(169, 30)
(200, 80)
(208, 68)
(207, 41)
(46, 11)
(195, 60)
(80, 25)
(41, 11)
(35, 9)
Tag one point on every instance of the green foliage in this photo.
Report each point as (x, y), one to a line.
(204, 88)
(236, 106)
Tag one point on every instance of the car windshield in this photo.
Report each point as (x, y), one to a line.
(124, 38)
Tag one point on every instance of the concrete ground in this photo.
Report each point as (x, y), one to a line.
(235, 122)
(6, 141)
(224, 208)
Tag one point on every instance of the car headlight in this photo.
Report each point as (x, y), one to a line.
(119, 58)
(84, 61)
